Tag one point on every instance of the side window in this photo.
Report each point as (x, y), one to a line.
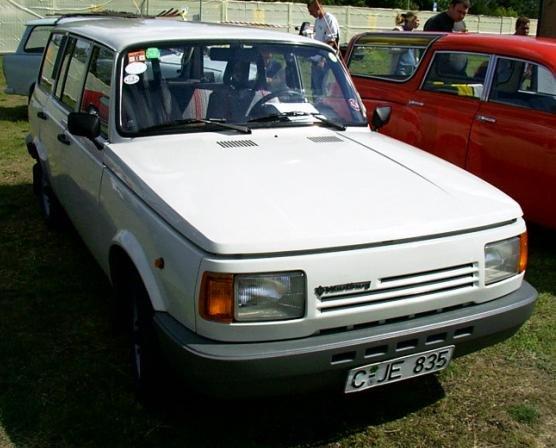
(394, 61)
(51, 62)
(37, 39)
(456, 73)
(96, 94)
(524, 84)
(72, 75)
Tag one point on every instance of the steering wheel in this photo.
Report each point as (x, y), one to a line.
(278, 94)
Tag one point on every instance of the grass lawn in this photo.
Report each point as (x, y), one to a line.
(65, 377)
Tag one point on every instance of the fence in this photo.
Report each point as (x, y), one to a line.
(282, 16)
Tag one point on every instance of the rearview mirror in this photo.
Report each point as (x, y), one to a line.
(381, 117)
(85, 125)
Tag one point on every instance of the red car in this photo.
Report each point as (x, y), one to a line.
(484, 102)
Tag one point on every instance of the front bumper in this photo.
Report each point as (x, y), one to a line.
(323, 361)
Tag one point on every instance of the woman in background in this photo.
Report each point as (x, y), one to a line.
(406, 22)
(405, 61)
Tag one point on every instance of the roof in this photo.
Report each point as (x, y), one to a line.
(118, 33)
(542, 50)
(43, 21)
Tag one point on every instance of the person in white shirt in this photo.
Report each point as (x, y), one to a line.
(326, 30)
(326, 26)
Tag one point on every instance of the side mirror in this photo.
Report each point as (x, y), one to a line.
(85, 125)
(381, 117)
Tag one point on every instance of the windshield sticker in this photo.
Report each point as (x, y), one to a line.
(332, 57)
(354, 104)
(136, 68)
(136, 56)
(131, 79)
(153, 53)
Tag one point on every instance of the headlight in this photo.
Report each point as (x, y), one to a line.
(506, 258)
(253, 297)
(277, 296)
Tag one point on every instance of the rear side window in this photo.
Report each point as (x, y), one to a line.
(72, 75)
(51, 62)
(37, 39)
(392, 56)
(96, 94)
(524, 84)
(457, 73)
(394, 62)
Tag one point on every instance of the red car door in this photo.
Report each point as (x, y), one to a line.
(447, 101)
(386, 69)
(513, 140)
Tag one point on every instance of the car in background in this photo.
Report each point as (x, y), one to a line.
(21, 68)
(483, 102)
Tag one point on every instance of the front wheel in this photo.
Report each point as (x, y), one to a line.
(144, 350)
(50, 208)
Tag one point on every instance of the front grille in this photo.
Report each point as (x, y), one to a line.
(388, 289)
(395, 320)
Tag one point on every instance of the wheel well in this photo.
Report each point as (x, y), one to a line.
(31, 92)
(121, 266)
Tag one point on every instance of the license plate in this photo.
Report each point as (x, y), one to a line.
(398, 369)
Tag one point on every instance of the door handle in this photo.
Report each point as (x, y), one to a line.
(485, 118)
(41, 115)
(415, 103)
(63, 138)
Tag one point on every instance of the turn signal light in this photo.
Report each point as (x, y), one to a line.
(523, 250)
(216, 301)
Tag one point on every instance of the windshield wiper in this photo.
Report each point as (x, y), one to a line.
(283, 116)
(221, 122)
(279, 116)
(334, 124)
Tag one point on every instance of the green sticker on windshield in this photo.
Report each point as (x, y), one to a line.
(152, 53)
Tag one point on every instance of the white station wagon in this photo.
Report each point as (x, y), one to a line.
(259, 236)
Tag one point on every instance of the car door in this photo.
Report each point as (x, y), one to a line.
(513, 140)
(386, 69)
(38, 119)
(76, 163)
(447, 101)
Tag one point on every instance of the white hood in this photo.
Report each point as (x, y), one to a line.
(290, 193)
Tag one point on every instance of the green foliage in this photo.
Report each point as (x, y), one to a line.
(524, 413)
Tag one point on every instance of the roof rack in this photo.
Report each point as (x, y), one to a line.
(107, 13)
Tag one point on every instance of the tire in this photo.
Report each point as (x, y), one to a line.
(51, 210)
(144, 349)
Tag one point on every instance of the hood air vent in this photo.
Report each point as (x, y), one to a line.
(325, 139)
(237, 144)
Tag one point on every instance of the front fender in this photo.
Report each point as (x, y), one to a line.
(131, 246)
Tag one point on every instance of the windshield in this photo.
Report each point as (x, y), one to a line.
(196, 87)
